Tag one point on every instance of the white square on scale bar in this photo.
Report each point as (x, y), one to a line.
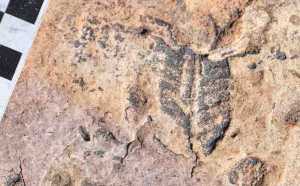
(5, 92)
(3, 5)
(16, 33)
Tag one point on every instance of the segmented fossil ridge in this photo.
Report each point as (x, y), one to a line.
(212, 96)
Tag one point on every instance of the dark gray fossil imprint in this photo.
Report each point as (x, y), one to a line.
(193, 86)
(213, 100)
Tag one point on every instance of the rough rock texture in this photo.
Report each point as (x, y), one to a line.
(248, 171)
(158, 92)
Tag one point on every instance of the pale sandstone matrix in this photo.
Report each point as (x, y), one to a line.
(158, 92)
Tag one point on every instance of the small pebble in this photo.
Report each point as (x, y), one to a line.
(149, 119)
(280, 55)
(77, 44)
(260, 62)
(84, 134)
(235, 133)
(143, 31)
(13, 180)
(252, 66)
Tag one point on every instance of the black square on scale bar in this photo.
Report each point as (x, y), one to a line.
(1, 15)
(9, 60)
(27, 10)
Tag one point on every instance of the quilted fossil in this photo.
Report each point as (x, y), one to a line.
(212, 96)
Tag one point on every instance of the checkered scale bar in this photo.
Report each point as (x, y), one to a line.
(19, 22)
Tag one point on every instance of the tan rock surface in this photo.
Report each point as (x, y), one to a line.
(158, 92)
